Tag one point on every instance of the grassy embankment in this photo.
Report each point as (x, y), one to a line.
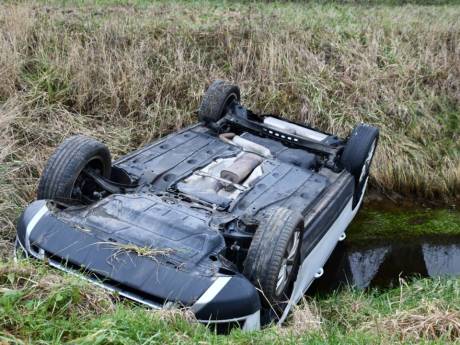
(42, 306)
(129, 74)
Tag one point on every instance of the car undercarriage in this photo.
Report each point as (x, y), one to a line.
(233, 217)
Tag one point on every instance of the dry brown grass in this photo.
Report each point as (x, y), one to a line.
(122, 249)
(129, 74)
(427, 322)
(303, 319)
(174, 314)
(418, 311)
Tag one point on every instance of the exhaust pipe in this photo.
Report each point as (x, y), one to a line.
(247, 145)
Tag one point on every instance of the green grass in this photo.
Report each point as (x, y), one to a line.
(128, 72)
(40, 305)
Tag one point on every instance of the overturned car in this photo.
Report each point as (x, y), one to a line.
(233, 217)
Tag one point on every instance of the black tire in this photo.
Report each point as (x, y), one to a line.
(65, 166)
(358, 154)
(268, 249)
(219, 95)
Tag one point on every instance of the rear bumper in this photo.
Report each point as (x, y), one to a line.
(213, 299)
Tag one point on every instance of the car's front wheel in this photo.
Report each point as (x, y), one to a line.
(65, 178)
(273, 258)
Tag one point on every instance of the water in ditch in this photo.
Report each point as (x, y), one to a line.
(387, 244)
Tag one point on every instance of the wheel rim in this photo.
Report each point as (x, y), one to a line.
(233, 97)
(367, 162)
(287, 264)
(84, 187)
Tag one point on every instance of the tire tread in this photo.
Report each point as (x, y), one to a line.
(267, 249)
(214, 99)
(66, 163)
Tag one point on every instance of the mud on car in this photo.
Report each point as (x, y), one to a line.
(232, 217)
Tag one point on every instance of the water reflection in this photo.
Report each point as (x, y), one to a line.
(441, 260)
(383, 264)
(365, 264)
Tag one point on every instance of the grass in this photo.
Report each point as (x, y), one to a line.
(40, 305)
(148, 252)
(130, 72)
(406, 312)
(127, 73)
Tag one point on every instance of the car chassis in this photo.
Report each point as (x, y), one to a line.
(233, 217)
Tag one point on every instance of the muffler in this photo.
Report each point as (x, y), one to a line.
(240, 169)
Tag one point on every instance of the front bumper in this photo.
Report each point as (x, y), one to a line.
(213, 299)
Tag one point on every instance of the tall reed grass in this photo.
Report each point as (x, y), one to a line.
(127, 74)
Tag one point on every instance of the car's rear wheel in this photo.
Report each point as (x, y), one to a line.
(358, 154)
(216, 100)
(65, 177)
(273, 258)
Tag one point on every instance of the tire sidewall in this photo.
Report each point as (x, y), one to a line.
(270, 243)
(362, 140)
(66, 165)
(216, 98)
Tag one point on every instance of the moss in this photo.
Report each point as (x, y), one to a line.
(374, 224)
